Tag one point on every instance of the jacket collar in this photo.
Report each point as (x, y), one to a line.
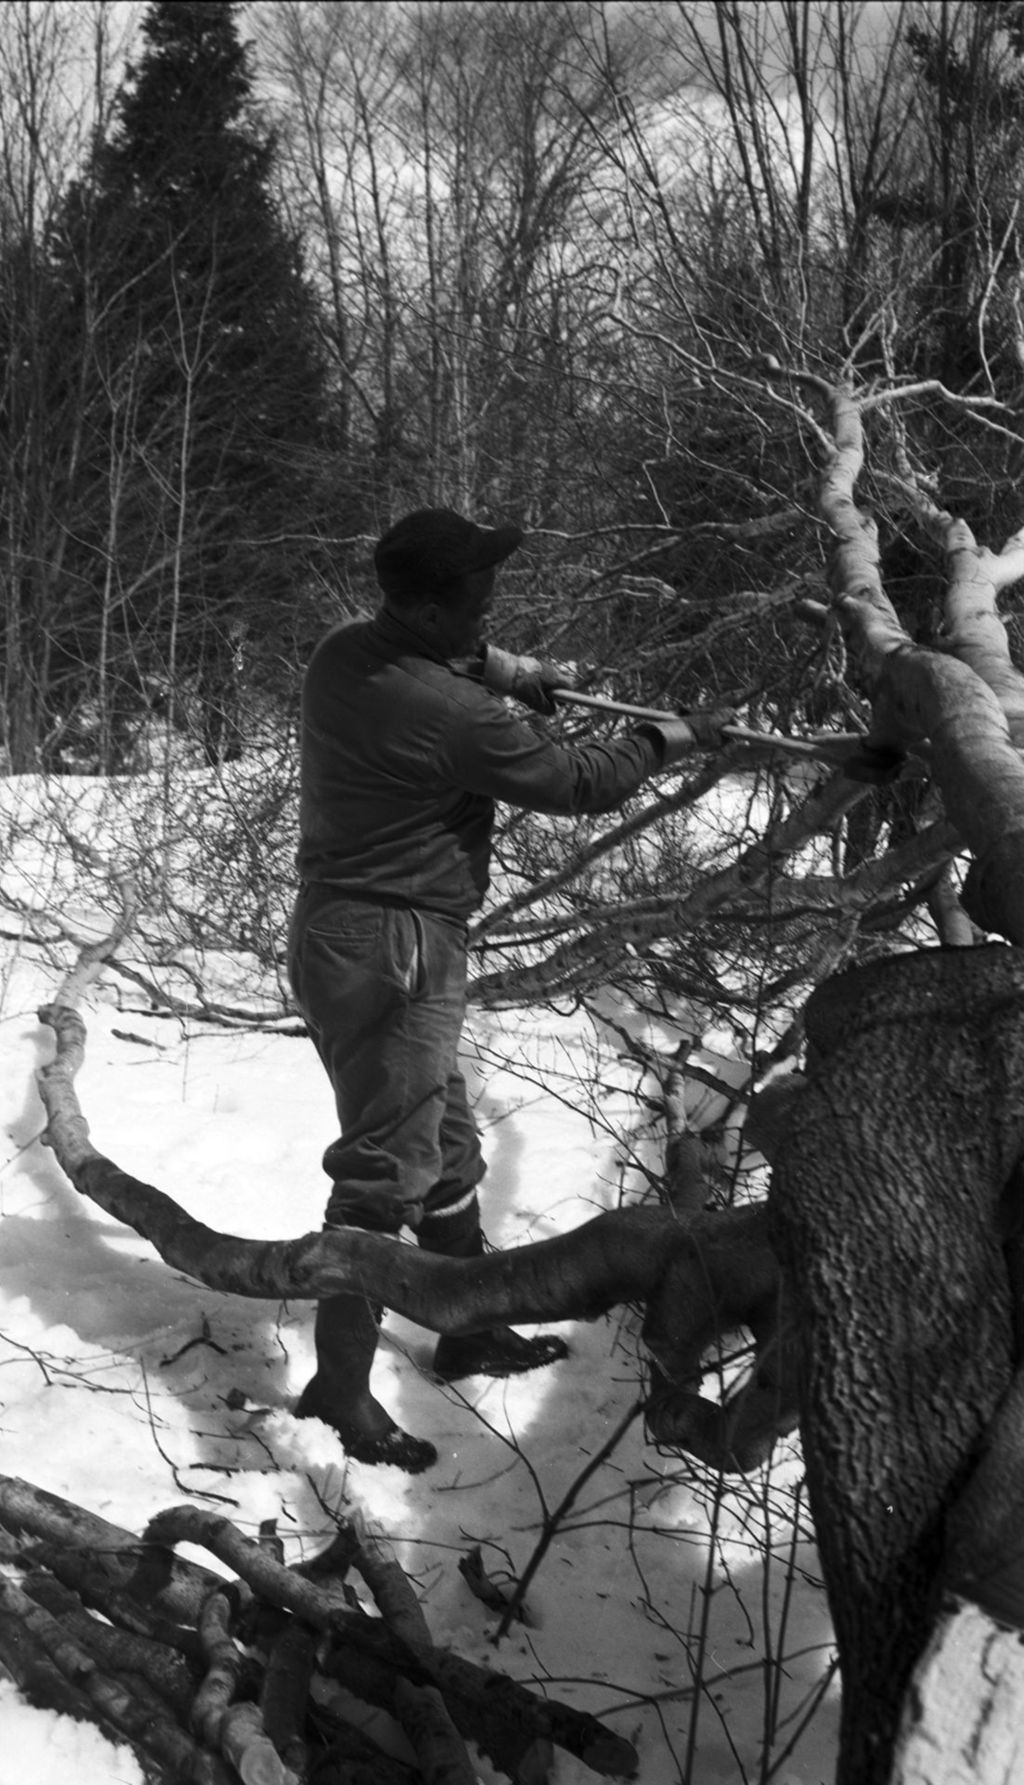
(398, 636)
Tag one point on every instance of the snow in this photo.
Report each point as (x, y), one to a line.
(127, 1388)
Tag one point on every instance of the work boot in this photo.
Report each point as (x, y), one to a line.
(498, 1350)
(339, 1393)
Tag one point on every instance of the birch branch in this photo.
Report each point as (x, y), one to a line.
(917, 693)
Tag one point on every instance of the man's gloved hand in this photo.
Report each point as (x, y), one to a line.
(695, 731)
(527, 678)
(707, 725)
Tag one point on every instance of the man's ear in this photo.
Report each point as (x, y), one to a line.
(428, 618)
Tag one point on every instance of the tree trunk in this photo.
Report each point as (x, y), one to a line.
(886, 1214)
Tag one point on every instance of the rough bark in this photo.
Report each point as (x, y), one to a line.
(887, 1209)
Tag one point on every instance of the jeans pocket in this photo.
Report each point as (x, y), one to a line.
(404, 951)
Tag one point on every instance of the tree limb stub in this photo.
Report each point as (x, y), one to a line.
(972, 629)
(954, 1733)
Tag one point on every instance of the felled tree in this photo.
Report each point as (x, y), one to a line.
(896, 1196)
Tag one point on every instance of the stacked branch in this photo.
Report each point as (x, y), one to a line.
(211, 1677)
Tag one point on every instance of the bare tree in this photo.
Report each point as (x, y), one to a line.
(445, 158)
(56, 77)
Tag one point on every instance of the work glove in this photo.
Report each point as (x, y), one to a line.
(697, 731)
(708, 724)
(526, 678)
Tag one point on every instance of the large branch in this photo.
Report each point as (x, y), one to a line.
(614, 1258)
(955, 702)
(699, 1277)
(972, 628)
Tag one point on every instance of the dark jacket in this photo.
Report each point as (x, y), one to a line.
(403, 758)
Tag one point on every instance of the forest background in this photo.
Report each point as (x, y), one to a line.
(294, 269)
(301, 268)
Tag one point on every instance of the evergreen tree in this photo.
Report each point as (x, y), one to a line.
(205, 389)
(960, 199)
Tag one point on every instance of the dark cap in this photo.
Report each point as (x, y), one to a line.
(432, 547)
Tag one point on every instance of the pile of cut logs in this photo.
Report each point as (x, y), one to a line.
(214, 1676)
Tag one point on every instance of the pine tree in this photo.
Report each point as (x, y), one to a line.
(206, 389)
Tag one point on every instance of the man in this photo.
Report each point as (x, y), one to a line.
(407, 742)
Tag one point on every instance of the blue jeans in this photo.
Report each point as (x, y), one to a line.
(383, 991)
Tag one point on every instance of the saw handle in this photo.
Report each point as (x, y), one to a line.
(831, 744)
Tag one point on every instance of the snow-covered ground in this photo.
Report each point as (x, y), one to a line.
(126, 1388)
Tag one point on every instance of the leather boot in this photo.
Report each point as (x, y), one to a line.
(339, 1393)
(498, 1351)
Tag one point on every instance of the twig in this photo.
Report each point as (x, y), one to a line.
(202, 1338)
(551, 1522)
(94, 956)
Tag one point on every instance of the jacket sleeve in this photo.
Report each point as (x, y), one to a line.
(494, 752)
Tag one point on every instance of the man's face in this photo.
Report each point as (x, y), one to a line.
(460, 624)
